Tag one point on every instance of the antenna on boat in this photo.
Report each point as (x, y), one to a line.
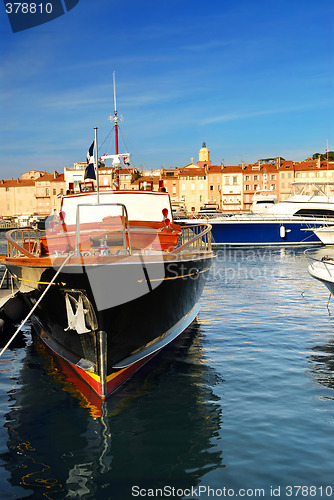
(115, 116)
(97, 167)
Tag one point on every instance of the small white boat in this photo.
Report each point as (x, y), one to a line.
(262, 200)
(321, 267)
(325, 234)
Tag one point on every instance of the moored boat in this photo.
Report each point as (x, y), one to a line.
(262, 200)
(113, 280)
(321, 267)
(325, 234)
(123, 281)
(289, 222)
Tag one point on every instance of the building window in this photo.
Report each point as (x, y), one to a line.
(54, 192)
(247, 178)
(255, 177)
(255, 187)
(247, 187)
(227, 181)
(235, 180)
(192, 187)
(183, 187)
(47, 192)
(211, 188)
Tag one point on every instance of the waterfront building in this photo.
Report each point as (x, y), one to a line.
(17, 197)
(215, 181)
(146, 183)
(259, 177)
(32, 174)
(48, 189)
(170, 179)
(193, 186)
(232, 188)
(73, 176)
(57, 189)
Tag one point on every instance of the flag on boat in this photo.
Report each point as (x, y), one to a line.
(90, 169)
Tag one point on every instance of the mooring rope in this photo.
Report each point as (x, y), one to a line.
(37, 303)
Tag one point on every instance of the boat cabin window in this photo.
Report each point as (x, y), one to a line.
(265, 202)
(312, 212)
(312, 189)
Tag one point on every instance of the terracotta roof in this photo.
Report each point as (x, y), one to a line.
(192, 171)
(60, 178)
(232, 169)
(215, 169)
(17, 183)
(155, 180)
(45, 177)
(262, 169)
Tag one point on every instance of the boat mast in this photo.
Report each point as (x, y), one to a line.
(115, 116)
(116, 135)
(97, 167)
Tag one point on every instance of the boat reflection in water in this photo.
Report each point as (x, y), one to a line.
(147, 434)
(322, 369)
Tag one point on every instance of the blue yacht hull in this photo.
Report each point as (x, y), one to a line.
(231, 232)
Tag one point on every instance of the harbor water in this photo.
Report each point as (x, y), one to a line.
(241, 405)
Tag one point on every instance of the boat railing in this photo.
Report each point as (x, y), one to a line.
(23, 242)
(125, 225)
(326, 262)
(195, 237)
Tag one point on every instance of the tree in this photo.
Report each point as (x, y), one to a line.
(323, 157)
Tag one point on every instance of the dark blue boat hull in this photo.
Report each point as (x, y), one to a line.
(229, 232)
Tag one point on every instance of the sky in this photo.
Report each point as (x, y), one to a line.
(251, 78)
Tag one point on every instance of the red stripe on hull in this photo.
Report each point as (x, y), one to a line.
(116, 379)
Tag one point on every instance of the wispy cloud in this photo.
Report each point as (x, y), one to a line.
(227, 117)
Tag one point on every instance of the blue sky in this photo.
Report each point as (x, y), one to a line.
(251, 78)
